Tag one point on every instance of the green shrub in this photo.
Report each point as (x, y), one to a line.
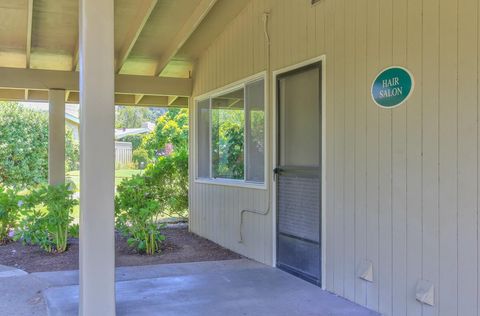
(140, 157)
(169, 181)
(136, 140)
(171, 128)
(74, 230)
(47, 217)
(142, 200)
(24, 146)
(137, 213)
(162, 190)
(126, 165)
(9, 211)
(72, 152)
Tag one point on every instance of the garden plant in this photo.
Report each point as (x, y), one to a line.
(24, 146)
(9, 212)
(46, 217)
(137, 213)
(162, 190)
(43, 215)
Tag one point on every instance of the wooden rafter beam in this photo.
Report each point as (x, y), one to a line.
(154, 100)
(172, 99)
(180, 102)
(37, 79)
(138, 98)
(184, 34)
(75, 55)
(120, 99)
(144, 11)
(29, 33)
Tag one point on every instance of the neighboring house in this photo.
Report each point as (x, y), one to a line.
(146, 128)
(73, 123)
(123, 150)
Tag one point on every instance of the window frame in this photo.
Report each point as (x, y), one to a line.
(241, 84)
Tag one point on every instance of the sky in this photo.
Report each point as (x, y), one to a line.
(72, 109)
(39, 106)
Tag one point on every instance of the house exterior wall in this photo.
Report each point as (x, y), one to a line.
(401, 184)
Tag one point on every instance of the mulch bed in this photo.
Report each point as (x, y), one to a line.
(180, 246)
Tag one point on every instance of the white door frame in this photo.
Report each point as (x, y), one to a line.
(274, 127)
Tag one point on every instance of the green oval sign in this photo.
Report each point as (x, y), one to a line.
(392, 87)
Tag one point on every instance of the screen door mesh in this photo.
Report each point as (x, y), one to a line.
(298, 205)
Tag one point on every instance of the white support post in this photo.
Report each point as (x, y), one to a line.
(97, 160)
(56, 137)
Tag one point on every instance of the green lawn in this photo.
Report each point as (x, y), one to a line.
(120, 174)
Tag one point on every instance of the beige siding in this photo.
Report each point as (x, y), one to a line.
(402, 185)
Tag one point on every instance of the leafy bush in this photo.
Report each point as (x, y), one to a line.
(162, 191)
(47, 217)
(24, 146)
(72, 152)
(9, 211)
(136, 140)
(169, 182)
(140, 157)
(137, 213)
(170, 128)
(143, 200)
(74, 230)
(126, 165)
(169, 173)
(227, 153)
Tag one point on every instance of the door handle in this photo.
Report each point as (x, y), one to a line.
(276, 171)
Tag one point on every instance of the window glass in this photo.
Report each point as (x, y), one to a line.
(301, 145)
(231, 134)
(255, 131)
(203, 143)
(228, 124)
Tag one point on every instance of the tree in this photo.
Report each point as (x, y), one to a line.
(227, 144)
(171, 128)
(165, 180)
(136, 140)
(72, 152)
(24, 146)
(131, 117)
(140, 157)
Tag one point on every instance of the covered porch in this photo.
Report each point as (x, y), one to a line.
(233, 287)
(141, 54)
(304, 152)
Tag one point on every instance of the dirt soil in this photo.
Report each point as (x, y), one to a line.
(180, 246)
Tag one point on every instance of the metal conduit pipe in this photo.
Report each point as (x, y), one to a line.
(267, 81)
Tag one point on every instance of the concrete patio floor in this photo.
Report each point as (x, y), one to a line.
(233, 287)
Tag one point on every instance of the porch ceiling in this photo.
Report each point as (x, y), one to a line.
(152, 38)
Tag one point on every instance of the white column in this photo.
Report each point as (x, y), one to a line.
(56, 137)
(97, 160)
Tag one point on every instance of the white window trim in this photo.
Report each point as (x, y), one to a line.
(209, 96)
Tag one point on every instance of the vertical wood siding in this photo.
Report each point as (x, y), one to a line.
(402, 184)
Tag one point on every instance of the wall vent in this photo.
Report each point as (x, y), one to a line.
(365, 271)
(425, 292)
